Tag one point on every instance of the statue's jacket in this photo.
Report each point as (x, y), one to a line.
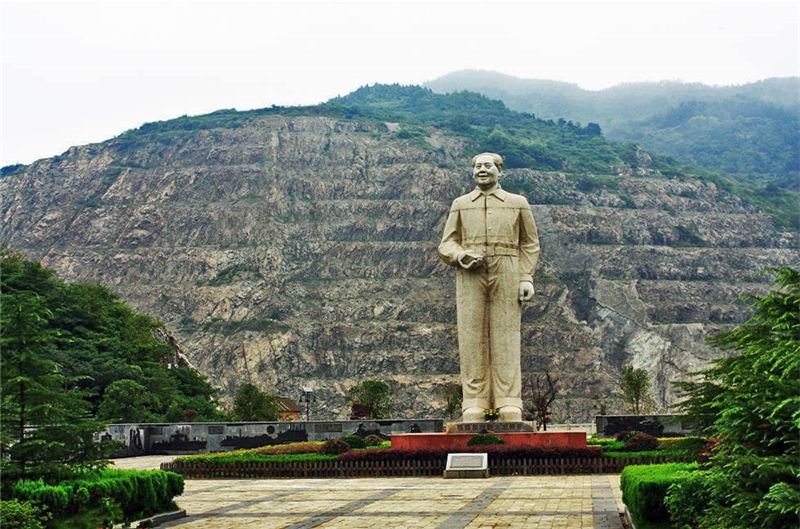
(497, 223)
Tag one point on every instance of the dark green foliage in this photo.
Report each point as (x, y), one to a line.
(750, 402)
(15, 514)
(373, 440)
(46, 428)
(92, 338)
(689, 498)
(640, 442)
(128, 401)
(749, 131)
(373, 397)
(252, 404)
(354, 441)
(644, 487)
(691, 446)
(524, 140)
(335, 447)
(485, 439)
(740, 136)
(138, 492)
(10, 169)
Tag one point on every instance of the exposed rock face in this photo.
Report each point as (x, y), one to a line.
(302, 251)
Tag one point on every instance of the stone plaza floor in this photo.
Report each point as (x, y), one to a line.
(531, 502)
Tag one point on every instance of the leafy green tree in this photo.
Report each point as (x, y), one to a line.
(373, 397)
(252, 404)
(636, 390)
(753, 401)
(128, 401)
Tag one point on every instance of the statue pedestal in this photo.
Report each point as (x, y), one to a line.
(456, 437)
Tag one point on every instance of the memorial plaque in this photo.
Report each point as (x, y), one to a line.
(467, 466)
(216, 430)
(462, 461)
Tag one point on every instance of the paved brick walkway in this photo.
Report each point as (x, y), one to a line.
(530, 502)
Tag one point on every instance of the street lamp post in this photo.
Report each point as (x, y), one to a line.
(308, 397)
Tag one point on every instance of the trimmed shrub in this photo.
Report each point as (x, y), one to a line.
(373, 440)
(482, 439)
(55, 498)
(640, 442)
(645, 486)
(335, 447)
(15, 514)
(139, 492)
(354, 441)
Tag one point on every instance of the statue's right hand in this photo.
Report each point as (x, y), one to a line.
(470, 259)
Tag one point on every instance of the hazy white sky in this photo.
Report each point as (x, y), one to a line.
(78, 72)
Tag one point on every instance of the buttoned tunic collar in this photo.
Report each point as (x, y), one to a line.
(497, 192)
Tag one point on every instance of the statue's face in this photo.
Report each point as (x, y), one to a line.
(485, 172)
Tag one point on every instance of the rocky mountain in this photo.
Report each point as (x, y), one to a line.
(297, 247)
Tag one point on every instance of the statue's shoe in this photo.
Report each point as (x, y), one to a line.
(472, 415)
(510, 414)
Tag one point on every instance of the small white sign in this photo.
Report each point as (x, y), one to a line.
(467, 461)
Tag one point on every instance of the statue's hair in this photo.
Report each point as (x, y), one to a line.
(498, 160)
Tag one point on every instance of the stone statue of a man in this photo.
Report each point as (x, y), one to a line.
(490, 237)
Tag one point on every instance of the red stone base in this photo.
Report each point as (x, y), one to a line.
(457, 441)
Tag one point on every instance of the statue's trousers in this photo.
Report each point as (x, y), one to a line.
(489, 313)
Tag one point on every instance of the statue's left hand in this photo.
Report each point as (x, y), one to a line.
(525, 290)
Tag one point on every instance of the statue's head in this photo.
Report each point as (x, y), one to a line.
(487, 167)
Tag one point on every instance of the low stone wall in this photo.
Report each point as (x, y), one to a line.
(663, 425)
(192, 438)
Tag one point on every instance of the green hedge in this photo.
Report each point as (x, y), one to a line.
(138, 492)
(645, 486)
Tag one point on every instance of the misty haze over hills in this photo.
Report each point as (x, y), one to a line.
(749, 130)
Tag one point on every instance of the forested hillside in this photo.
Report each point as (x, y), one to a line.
(748, 133)
(120, 361)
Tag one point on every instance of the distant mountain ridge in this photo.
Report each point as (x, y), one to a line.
(749, 131)
(560, 99)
